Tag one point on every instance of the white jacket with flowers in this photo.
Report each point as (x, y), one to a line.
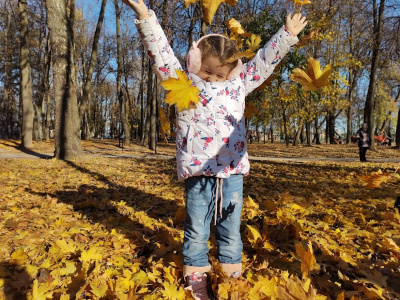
(211, 138)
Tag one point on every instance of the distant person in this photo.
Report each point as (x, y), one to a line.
(251, 138)
(364, 141)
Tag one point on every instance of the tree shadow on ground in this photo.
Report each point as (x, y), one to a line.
(16, 280)
(136, 218)
(18, 147)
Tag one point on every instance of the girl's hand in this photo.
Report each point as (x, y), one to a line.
(139, 7)
(295, 24)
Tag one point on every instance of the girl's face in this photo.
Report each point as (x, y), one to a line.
(212, 70)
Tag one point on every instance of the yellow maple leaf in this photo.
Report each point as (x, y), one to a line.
(254, 42)
(91, 254)
(375, 179)
(236, 28)
(300, 2)
(40, 292)
(210, 7)
(69, 268)
(313, 77)
(66, 247)
(182, 93)
(171, 291)
(248, 53)
(307, 258)
(19, 256)
(254, 234)
(99, 287)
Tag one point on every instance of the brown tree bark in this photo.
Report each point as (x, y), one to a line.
(67, 130)
(25, 81)
(89, 73)
(121, 100)
(398, 131)
(376, 50)
(298, 133)
(45, 93)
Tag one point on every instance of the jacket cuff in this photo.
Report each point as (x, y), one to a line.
(152, 20)
(290, 39)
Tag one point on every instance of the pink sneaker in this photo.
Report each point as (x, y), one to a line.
(197, 284)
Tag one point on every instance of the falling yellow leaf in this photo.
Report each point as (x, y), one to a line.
(236, 28)
(313, 77)
(248, 53)
(254, 42)
(375, 179)
(182, 93)
(300, 2)
(210, 7)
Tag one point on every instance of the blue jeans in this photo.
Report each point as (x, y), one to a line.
(200, 207)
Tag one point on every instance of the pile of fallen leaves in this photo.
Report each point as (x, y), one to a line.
(102, 228)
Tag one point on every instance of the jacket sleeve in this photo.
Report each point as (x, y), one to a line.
(162, 58)
(256, 71)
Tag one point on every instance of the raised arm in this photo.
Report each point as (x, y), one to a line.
(256, 71)
(162, 58)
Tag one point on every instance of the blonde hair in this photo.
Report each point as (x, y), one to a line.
(218, 46)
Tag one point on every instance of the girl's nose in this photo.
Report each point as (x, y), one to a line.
(211, 78)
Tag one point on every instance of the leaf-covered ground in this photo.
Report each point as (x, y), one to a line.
(103, 228)
(110, 147)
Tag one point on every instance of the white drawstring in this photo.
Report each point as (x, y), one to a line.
(216, 199)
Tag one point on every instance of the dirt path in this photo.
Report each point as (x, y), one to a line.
(4, 154)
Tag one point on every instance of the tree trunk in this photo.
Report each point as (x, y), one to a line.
(317, 132)
(36, 132)
(308, 133)
(298, 133)
(285, 127)
(370, 99)
(26, 81)
(67, 137)
(398, 131)
(331, 127)
(89, 73)
(45, 101)
(153, 115)
(123, 119)
(149, 99)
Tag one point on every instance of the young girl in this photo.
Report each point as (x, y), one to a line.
(211, 139)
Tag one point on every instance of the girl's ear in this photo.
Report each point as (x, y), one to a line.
(236, 70)
(194, 59)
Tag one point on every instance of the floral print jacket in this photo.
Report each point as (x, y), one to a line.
(211, 138)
